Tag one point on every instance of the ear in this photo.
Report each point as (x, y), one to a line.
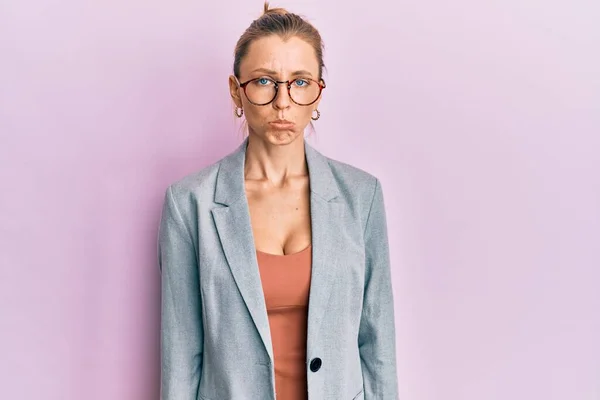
(316, 103)
(234, 91)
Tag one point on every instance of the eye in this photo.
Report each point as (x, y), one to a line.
(263, 81)
(301, 82)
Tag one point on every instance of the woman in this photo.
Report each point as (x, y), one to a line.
(274, 260)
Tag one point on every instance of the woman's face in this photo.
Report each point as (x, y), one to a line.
(277, 60)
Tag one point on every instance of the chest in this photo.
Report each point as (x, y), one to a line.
(280, 218)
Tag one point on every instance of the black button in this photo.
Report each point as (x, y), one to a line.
(315, 364)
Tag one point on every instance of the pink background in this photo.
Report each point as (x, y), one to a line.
(481, 120)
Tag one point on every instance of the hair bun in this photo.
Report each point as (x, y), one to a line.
(278, 10)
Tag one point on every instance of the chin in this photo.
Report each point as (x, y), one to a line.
(282, 136)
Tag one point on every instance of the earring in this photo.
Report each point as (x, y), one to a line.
(239, 111)
(317, 117)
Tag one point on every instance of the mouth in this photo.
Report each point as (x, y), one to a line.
(282, 124)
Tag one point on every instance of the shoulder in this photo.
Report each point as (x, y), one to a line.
(358, 188)
(353, 181)
(351, 175)
(363, 194)
(195, 183)
(202, 182)
(196, 189)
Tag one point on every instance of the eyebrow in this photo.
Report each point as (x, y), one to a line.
(271, 72)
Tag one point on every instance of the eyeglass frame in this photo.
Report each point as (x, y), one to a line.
(289, 88)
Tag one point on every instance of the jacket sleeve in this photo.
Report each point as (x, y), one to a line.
(181, 332)
(376, 337)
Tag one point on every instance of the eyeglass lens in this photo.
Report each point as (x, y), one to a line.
(263, 91)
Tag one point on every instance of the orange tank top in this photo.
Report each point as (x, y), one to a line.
(286, 283)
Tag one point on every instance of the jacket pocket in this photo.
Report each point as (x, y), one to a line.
(359, 395)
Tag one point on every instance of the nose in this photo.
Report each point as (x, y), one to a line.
(282, 97)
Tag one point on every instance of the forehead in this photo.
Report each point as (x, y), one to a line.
(285, 57)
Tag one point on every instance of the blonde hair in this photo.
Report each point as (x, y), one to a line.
(278, 21)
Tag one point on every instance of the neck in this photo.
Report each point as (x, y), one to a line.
(274, 163)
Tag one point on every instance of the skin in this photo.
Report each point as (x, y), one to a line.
(276, 173)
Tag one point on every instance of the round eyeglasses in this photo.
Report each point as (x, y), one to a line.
(302, 91)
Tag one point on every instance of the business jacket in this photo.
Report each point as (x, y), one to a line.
(215, 337)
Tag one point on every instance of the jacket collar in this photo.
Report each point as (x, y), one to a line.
(230, 185)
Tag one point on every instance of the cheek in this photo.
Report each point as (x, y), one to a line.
(303, 116)
(256, 115)
(306, 113)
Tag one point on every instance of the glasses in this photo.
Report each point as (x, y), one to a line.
(302, 91)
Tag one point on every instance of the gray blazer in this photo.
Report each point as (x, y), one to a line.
(215, 338)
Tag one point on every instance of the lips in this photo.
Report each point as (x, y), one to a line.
(281, 124)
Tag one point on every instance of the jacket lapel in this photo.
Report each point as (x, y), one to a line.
(326, 223)
(235, 232)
